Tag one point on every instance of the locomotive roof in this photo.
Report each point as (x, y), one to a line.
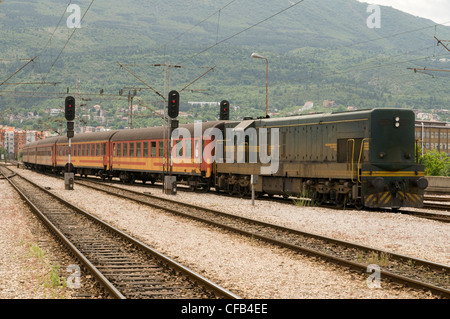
(328, 117)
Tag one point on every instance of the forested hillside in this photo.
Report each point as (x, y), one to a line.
(317, 50)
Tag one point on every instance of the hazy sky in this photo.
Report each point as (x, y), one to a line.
(436, 10)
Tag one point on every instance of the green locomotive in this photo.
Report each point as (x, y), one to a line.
(362, 158)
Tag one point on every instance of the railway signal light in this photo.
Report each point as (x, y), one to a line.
(174, 104)
(70, 129)
(70, 108)
(224, 110)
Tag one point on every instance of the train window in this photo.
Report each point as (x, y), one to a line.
(97, 149)
(161, 148)
(179, 148)
(88, 149)
(132, 149)
(138, 149)
(153, 149)
(119, 149)
(188, 151)
(145, 149)
(196, 149)
(125, 149)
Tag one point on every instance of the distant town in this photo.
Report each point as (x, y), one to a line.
(430, 125)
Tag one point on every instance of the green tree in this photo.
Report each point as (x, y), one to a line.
(436, 164)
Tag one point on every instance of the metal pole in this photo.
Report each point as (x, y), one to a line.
(253, 190)
(422, 138)
(70, 153)
(267, 82)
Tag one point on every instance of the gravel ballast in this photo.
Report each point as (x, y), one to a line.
(253, 269)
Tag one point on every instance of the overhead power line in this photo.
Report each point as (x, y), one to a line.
(32, 60)
(67, 42)
(246, 29)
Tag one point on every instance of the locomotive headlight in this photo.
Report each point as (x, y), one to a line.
(397, 122)
(422, 183)
(397, 119)
(378, 183)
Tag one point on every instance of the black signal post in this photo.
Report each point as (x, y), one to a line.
(224, 110)
(70, 108)
(70, 116)
(173, 104)
(173, 107)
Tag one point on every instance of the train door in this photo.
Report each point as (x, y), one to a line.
(54, 150)
(349, 151)
(103, 153)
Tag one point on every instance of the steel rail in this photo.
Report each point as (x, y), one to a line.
(186, 271)
(361, 267)
(102, 279)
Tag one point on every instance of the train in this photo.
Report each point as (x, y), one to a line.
(364, 158)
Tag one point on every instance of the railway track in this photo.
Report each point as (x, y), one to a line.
(436, 198)
(437, 206)
(438, 217)
(126, 267)
(428, 202)
(404, 269)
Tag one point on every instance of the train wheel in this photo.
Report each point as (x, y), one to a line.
(340, 200)
(358, 204)
(314, 197)
(205, 188)
(321, 199)
(245, 191)
(232, 189)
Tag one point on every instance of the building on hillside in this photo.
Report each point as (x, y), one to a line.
(433, 135)
(13, 140)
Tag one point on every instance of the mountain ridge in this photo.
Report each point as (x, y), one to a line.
(317, 50)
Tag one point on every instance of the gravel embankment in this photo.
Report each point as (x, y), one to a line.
(253, 269)
(32, 264)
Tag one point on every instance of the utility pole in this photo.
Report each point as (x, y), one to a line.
(131, 95)
(440, 42)
(425, 69)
